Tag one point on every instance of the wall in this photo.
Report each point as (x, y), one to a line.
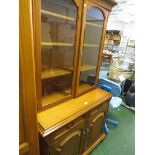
(127, 29)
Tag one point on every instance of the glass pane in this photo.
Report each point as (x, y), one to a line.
(92, 38)
(58, 29)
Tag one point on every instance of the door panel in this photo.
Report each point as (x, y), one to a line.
(94, 129)
(70, 145)
(93, 28)
(58, 42)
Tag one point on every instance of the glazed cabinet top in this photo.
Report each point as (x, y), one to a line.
(56, 117)
(69, 38)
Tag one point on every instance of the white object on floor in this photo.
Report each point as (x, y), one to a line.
(121, 77)
(115, 102)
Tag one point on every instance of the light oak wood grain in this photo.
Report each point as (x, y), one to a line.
(48, 119)
(83, 87)
(28, 102)
(55, 72)
(84, 67)
(23, 148)
(55, 96)
(91, 45)
(56, 44)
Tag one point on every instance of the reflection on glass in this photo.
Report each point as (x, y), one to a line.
(58, 27)
(92, 38)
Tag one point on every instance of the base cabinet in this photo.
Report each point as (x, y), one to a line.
(94, 129)
(76, 137)
(70, 145)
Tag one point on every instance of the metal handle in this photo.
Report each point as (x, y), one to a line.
(58, 149)
(88, 130)
(91, 124)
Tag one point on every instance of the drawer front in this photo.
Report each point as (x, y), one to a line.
(102, 107)
(60, 133)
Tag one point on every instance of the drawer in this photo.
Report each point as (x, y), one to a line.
(60, 133)
(102, 107)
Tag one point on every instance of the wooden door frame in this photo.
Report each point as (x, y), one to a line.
(87, 4)
(27, 90)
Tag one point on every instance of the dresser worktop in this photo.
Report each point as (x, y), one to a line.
(54, 118)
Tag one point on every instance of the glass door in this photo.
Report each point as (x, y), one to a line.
(58, 33)
(90, 49)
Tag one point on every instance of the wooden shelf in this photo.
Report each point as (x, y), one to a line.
(83, 68)
(65, 44)
(55, 96)
(93, 24)
(56, 44)
(57, 15)
(83, 87)
(55, 72)
(87, 67)
(68, 18)
(91, 45)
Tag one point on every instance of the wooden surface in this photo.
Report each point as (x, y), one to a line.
(56, 44)
(27, 80)
(115, 37)
(100, 139)
(55, 96)
(55, 72)
(85, 67)
(107, 4)
(91, 45)
(83, 87)
(23, 148)
(53, 118)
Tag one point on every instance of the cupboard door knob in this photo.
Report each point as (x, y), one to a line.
(91, 124)
(88, 130)
(58, 149)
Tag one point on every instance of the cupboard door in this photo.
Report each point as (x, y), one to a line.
(70, 145)
(91, 46)
(58, 44)
(94, 129)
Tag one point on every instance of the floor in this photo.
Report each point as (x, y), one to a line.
(121, 140)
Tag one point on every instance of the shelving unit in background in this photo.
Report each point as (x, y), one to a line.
(112, 40)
